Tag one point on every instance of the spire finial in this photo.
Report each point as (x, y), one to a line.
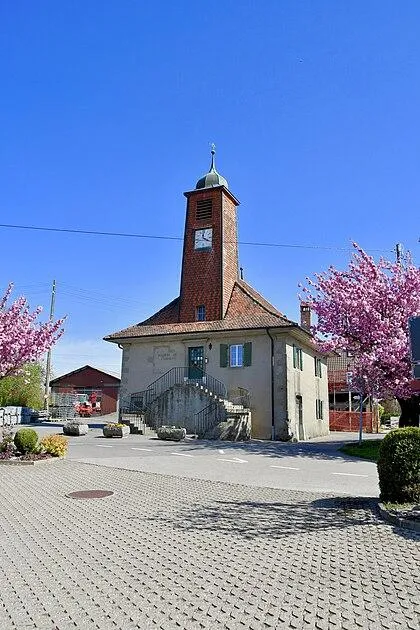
(213, 159)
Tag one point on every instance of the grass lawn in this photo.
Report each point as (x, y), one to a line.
(369, 449)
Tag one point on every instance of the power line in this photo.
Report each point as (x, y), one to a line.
(176, 238)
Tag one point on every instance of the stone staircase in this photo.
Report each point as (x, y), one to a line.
(199, 404)
(234, 417)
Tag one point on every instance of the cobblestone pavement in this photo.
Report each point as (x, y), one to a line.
(170, 553)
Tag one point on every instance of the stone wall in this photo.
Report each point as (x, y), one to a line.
(177, 406)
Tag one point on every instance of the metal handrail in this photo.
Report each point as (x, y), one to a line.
(207, 417)
(175, 376)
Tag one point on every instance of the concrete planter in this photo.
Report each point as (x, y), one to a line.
(74, 428)
(171, 433)
(117, 432)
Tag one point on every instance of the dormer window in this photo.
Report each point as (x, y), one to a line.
(200, 313)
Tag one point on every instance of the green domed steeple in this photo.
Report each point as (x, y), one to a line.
(213, 178)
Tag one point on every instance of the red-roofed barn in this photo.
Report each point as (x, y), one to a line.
(96, 386)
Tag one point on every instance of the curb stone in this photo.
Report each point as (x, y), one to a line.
(29, 462)
(396, 520)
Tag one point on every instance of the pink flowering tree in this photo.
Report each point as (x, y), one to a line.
(22, 339)
(365, 311)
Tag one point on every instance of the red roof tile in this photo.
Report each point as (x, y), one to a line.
(246, 322)
(247, 310)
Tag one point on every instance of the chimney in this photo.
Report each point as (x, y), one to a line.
(305, 316)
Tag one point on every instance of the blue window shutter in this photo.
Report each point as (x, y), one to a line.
(294, 356)
(247, 357)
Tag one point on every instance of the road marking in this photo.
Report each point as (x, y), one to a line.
(182, 454)
(286, 467)
(103, 446)
(350, 475)
(236, 460)
(134, 448)
(221, 451)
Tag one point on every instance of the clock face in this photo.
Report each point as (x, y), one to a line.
(203, 238)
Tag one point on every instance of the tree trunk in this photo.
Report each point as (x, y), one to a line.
(410, 411)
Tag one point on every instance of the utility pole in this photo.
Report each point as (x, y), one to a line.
(399, 250)
(48, 366)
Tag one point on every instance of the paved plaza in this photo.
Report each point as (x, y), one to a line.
(169, 553)
(313, 466)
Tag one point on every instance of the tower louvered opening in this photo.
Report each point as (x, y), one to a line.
(204, 209)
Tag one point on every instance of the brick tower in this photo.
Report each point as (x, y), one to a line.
(210, 254)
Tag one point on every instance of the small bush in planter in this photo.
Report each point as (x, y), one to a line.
(55, 445)
(26, 440)
(171, 433)
(116, 429)
(399, 466)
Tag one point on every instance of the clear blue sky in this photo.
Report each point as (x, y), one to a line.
(107, 112)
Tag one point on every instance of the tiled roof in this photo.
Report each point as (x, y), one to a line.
(85, 367)
(244, 322)
(247, 310)
(245, 300)
(169, 314)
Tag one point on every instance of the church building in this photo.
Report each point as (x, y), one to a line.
(220, 347)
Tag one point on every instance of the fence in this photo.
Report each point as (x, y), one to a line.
(349, 421)
(63, 405)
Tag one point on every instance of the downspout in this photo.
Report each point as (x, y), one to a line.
(119, 391)
(272, 383)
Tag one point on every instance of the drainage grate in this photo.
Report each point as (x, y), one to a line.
(89, 494)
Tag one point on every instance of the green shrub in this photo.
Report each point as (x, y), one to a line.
(399, 466)
(55, 445)
(385, 417)
(6, 444)
(26, 440)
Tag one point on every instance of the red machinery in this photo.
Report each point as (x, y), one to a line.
(84, 409)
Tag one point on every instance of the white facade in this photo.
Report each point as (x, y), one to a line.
(278, 414)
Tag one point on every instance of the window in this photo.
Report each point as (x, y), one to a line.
(235, 355)
(297, 357)
(200, 313)
(318, 367)
(203, 211)
(319, 408)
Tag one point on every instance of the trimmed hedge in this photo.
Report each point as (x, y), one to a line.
(399, 466)
(26, 440)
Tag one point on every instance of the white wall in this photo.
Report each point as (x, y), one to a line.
(310, 387)
(145, 360)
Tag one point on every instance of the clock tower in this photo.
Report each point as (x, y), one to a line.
(210, 254)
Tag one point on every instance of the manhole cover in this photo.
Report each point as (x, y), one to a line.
(89, 494)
